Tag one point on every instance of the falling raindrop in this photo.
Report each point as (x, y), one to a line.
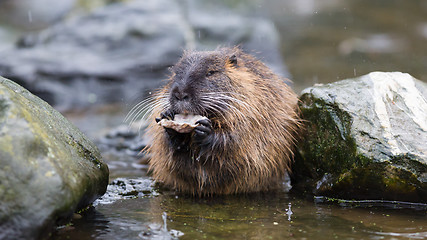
(165, 217)
(30, 16)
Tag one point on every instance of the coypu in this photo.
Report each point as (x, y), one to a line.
(245, 141)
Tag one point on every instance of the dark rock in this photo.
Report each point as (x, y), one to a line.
(122, 51)
(48, 168)
(365, 139)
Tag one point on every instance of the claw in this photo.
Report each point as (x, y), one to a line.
(205, 122)
(202, 131)
(168, 114)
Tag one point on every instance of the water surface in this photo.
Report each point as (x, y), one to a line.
(257, 216)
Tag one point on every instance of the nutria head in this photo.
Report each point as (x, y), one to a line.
(198, 81)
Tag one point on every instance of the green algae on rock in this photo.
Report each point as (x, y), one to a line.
(48, 168)
(365, 139)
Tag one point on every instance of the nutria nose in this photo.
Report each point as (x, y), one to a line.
(180, 95)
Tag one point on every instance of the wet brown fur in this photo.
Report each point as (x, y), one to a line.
(253, 141)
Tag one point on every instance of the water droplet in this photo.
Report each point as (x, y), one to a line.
(165, 217)
(289, 212)
(30, 16)
(92, 98)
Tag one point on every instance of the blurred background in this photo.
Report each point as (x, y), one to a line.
(98, 58)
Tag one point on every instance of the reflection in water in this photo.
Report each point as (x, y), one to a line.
(418, 235)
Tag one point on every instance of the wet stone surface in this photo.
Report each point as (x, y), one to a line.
(124, 188)
(48, 168)
(365, 139)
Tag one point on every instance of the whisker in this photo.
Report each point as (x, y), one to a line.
(148, 114)
(141, 110)
(220, 111)
(224, 101)
(145, 108)
(228, 96)
(216, 110)
(149, 108)
(226, 105)
(137, 106)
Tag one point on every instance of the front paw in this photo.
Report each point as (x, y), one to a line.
(202, 131)
(168, 114)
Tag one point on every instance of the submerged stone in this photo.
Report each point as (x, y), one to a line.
(122, 188)
(365, 139)
(48, 168)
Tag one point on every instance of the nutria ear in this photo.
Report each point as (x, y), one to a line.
(233, 60)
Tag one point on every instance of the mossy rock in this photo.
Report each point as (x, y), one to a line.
(365, 138)
(48, 168)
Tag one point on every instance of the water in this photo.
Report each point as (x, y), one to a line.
(258, 216)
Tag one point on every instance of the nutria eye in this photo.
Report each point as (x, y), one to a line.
(210, 73)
